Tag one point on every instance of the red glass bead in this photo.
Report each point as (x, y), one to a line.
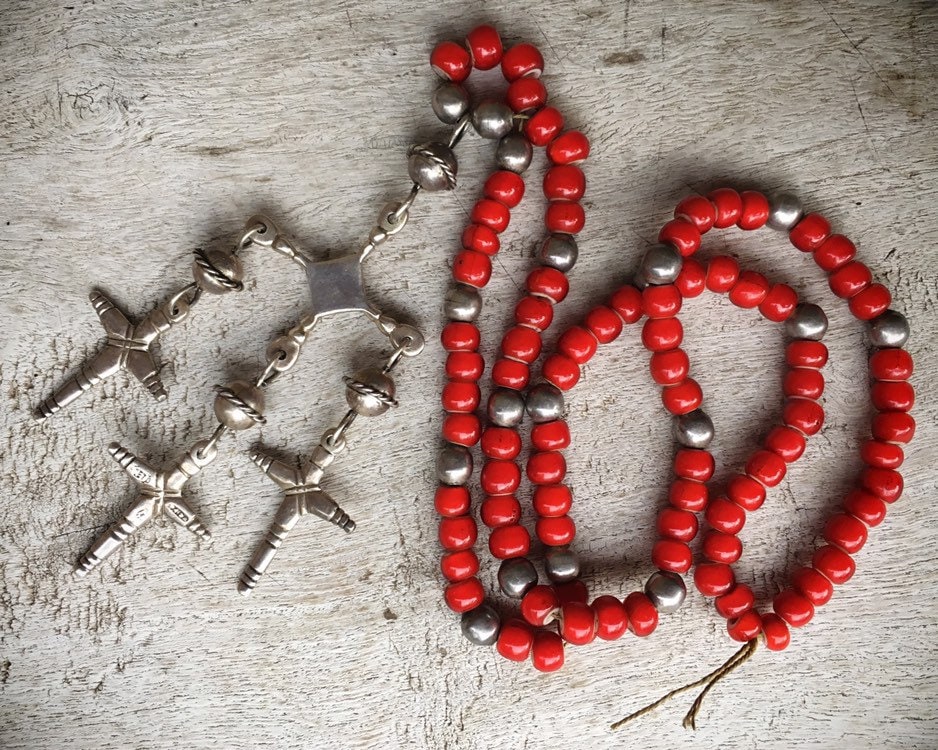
(883, 483)
(500, 510)
(682, 398)
(491, 214)
(767, 467)
(485, 47)
(462, 429)
(726, 516)
(501, 442)
(722, 548)
(555, 531)
(467, 366)
(845, 531)
(891, 364)
(521, 61)
(729, 207)
(870, 302)
(803, 414)
(682, 235)
(460, 337)
(522, 343)
(464, 595)
(564, 182)
(714, 579)
(550, 436)
(775, 632)
(881, 455)
(457, 532)
(805, 353)
(505, 187)
(834, 252)
(506, 542)
(866, 506)
(812, 586)
(755, 210)
(578, 344)
(803, 383)
(735, 602)
(460, 397)
(565, 217)
(892, 395)
(671, 554)
(562, 371)
(480, 238)
(534, 312)
(526, 94)
(692, 280)
(547, 651)
(452, 501)
(685, 494)
(785, 442)
(544, 126)
(627, 302)
(552, 500)
(693, 463)
(893, 427)
(510, 373)
(680, 525)
(834, 563)
(546, 467)
(779, 303)
(548, 282)
(515, 640)
(750, 290)
(722, 274)
(850, 279)
(643, 617)
(745, 627)
(451, 62)
(698, 211)
(611, 618)
(603, 323)
(746, 492)
(793, 608)
(669, 367)
(661, 334)
(458, 566)
(577, 623)
(662, 301)
(569, 147)
(500, 477)
(539, 605)
(572, 591)
(472, 268)
(810, 233)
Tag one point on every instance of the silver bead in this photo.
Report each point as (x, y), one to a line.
(559, 251)
(450, 102)
(370, 392)
(514, 153)
(239, 405)
(666, 591)
(889, 330)
(217, 271)
(481, 625)
(807, 322)
(432, 166)
(544, 403)
(561, 564)
(492, 119)
(661, 264)
(505, 407)
(785, 211)
(453, 464)
(693, 430)
(462, 302)
(516, 576)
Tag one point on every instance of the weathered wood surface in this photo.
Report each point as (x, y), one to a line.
(132, 133)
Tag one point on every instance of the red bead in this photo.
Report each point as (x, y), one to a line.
(462, 429)
(627, 302)
(611, 618)
(548, 282)
(552, 500)
(464, 595)
(451, 62)
(578, 344)
(550, 436)
(775, 632)
(472, 268)
(779, 303)
(562, 371)
(803, 383)
(534, 312)
(481, 239)
(539, 605)
(726, 516)
(812, 586)
(543, 126)
(506, 542)
(845, 531)
(746, 492)
(698, 211)
(555, 531)
(662, 301)
(834, 252)
(849, 280)
(722, 274)
(522, 60)
(458, 566)
(643, 617)
(526, 94)
(466, 366)
(505, 187)
(500, 477)
(891, 364)
(685, 494)
(457, 532)
(680, 525)
(546, 467)
(682, 235)
(805, 353)
(501, 442)
(565, 217)
(866, 506)
(692, 463)
(803, 414)
(793, 608)
(750, 290)
(521, 343)
(659, 335)
(682, 398)
(515, 640)
(892, 396)
(451, 501)
(491, 214)
(714, 579)
(881, 455)
(692, 280)
(671, 554)
(500, 510)
(729, 207)
(767, 467)
(669, 367)
(893, 427)
(572, 591)
(834, 563)
(577, 623)
(755, 210)
(460, 337)
(485, 47)
(785, 442)
(883, 483)
(547, 651)
(460, 397)
(870, 302)
(810, 233)
(603, 323)
(736, 602)
(510, 373)
(746, 627)
(569, 147)
(564, 182)
(722, 548)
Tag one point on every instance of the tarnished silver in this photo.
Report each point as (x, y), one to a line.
(561, 564)
(160, 493)
(693, 430)
(544, 403)
(492, 119)
(666, 590)
(807, 322)
(462, 302)
(661, 264)
(514, 153)
(239, 405)
(217, 271)
(481, 625)
(889, 330)
(559, 251)
(505, 407)
(370, 392)
(516, 576)
(433, 166)
(450, 102)
(785, 211)
(453, 464)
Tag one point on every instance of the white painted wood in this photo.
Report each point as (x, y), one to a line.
(132, 133)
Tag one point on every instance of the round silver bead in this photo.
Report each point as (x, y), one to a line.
(481, 625)
(666, 591)
(462, 302)
(561, 564)
(450, 102)
(785, 211)
(544, 403)
(492, 119)
(889, 330)
(432, 166)
(807, 322)
(516, 576)
(505, 407)
(370, 392)
(239, 405)
(453, 465)
(694, 429)
(559, 251)
(661, 264)
(217, 271)
(514, 153)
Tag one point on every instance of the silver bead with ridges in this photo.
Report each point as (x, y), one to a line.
(370, 392)
(481, 625)
(453, 465)
(544, 403)
(661, 264)
(561, 564)
(559, 251)
(239, 405)
(889, 330)
(807, 322)
(462, 302)
(492, 119)
(432, 166)
(516, 576)
(514, 153)
(217, 271)
(505, 407)
(785, 211)
(693, 430)
(666, 591)
(450, 102)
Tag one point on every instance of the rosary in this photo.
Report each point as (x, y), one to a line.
(558, 610)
